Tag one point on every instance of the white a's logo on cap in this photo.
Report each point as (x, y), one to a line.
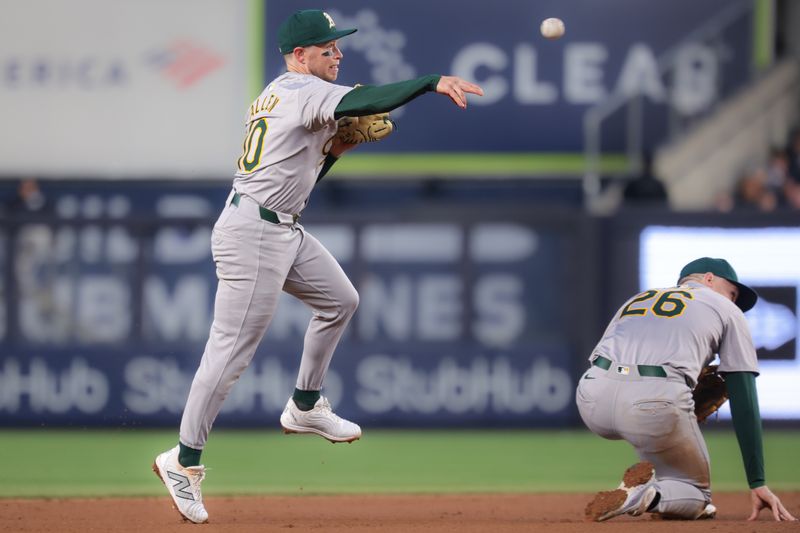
(331, 23)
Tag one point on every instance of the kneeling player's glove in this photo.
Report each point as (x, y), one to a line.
(710, 393)
(366, 129)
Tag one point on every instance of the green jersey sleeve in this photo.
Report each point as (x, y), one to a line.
(747, 424)
(371, 99)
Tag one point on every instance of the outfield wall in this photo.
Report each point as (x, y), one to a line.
(470, 315)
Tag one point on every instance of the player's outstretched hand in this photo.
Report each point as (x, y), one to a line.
(455, 88)
(763, 498)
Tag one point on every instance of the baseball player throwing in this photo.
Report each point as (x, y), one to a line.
(639, 388)
(260, 248)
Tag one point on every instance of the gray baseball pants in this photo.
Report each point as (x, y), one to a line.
(256, 260)
(656, 416)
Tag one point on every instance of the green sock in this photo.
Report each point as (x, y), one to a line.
(305, 399)
(189, 456)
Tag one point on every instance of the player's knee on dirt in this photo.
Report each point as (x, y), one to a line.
(680, 500)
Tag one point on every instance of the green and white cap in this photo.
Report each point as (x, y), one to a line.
(720, 267)
(307, 27)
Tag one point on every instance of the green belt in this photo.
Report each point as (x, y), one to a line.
(264, 213)
(652, 371)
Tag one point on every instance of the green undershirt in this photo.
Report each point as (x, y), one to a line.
(371, 99)
(747, 423)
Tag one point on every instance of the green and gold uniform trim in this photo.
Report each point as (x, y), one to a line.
(652, 371)
(668, 305)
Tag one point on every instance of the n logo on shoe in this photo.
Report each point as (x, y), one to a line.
(181, 483)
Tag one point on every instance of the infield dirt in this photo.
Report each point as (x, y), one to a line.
(461, 513)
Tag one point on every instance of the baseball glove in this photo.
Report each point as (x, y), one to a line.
(366, 129)
(710, 393)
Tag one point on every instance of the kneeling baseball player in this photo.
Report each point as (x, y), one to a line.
(639, 388)
(295, 131)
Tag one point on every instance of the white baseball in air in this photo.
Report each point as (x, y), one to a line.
(552, 28)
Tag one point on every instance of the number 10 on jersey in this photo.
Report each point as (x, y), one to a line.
(253, 146)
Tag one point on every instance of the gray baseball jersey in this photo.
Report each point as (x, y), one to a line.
(290, 128)
(289, 132)
(680, 327)
(674, 332)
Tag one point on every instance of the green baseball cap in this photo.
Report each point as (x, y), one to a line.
(307, 27)
(719, 267)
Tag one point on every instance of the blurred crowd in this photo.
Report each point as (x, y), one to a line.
(23, 196)
(771, 186)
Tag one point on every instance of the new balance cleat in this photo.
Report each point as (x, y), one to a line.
(183, 484)
(633, 496)
(320, 420)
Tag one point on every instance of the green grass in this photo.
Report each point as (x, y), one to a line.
(117, 462)
(474, 164)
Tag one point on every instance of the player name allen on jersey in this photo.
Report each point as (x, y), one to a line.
(264, 103)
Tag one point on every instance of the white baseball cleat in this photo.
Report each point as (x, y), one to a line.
(183, 484)
(320, 420)
(633, 496)
(709, 512)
